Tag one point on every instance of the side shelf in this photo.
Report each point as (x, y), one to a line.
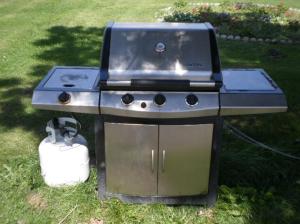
(250, 91)
(72, 89)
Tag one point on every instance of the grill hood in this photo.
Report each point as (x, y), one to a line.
(164, 51)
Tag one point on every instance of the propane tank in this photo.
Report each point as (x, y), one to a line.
(64, 157)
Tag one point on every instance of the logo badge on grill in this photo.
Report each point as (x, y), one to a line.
(160, 47)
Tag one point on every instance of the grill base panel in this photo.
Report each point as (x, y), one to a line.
(207, 199)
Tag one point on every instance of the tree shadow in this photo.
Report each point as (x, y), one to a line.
(77, 46)
(266, 180)
(240, 166)
(71, 45)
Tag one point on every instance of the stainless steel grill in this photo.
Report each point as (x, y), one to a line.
(159, 97)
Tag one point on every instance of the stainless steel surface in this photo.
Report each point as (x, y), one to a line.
(163, 160)
(118, 83)
(128, 154)
(152, 160)
(241, 110)
(79, 82)
(246, 80)
(80, 102)
(185, 55)
(203, 84)
(175, 106)
(187, 159)
(71, 78)
(131, 152)
(250, 91)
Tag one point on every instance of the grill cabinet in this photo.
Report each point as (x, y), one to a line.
(159, 98)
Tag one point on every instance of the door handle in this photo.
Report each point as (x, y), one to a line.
(163, 160)
(152, 160)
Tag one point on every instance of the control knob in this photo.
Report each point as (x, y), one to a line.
(191, 99)
(127, 99)
(64, 97)
(159, 99)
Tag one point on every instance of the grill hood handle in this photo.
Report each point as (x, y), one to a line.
(159, 85)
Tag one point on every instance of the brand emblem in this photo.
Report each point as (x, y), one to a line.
(160, 47)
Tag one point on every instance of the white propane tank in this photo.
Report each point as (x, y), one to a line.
(64, 157)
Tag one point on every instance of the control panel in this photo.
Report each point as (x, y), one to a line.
(159, 104)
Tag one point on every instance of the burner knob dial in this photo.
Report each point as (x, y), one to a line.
(159, 99)
(64, 97)
(127, 99)
(191, 99)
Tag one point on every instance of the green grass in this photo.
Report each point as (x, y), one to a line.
(256, 186)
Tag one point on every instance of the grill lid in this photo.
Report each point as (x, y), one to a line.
(160, 51)
(73, 78)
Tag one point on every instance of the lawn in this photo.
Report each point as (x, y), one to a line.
(256, 186)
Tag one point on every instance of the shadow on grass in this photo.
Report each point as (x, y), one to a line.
(269, 182)
(78, 46)
(266, 181)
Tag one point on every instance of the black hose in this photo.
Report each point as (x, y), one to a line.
(236, 132)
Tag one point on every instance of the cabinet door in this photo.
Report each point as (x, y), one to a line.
(131, 152)
(184, 159)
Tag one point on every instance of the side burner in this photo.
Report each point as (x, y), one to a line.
(71, 89)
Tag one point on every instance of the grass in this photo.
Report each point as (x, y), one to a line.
(255, 186)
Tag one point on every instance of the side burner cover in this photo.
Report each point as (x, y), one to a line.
(250, 91)
(247, 80)
(72, 78)
(71, 89)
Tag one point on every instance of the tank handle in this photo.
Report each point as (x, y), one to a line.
(61, 126)
(52, 129)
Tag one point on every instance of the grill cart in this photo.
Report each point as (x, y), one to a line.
(159, 98)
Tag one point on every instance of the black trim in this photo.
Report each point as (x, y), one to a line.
(218, 79)
(159, 85)
(207, 200)
(215, 59)
(168, 121)
(100, 156)
(105, 52)
(215, 160)
(216, 65)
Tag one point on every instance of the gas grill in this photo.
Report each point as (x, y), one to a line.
(159, 98)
